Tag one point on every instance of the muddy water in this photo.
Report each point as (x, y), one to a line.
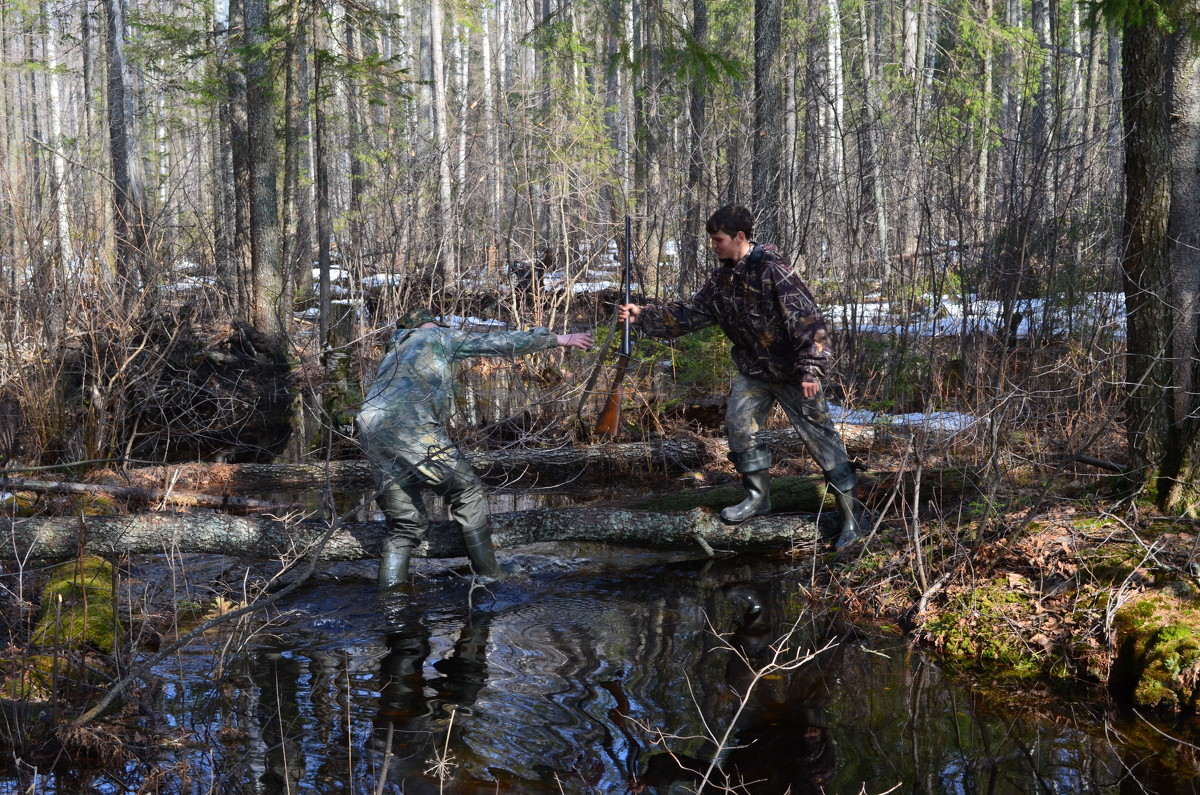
(595, 670)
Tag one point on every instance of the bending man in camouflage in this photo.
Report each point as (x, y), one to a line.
(402, 426)
(781, 350)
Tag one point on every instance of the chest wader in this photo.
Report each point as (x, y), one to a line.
(844, 485)
(407, 522)
(754, 465)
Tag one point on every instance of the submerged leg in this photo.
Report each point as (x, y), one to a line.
(407, 524)
(467, 503)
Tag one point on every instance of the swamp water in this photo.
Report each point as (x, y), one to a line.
(594, 670)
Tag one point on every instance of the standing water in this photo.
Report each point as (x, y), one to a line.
(599, 670)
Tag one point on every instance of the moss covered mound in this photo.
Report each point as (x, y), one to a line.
(78, 607)
(1158, 652)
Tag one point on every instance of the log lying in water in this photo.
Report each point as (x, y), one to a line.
(267, 538)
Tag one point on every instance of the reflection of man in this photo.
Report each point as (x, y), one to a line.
(781, 350)
(402, 425)
(413, 718)
(781, 741)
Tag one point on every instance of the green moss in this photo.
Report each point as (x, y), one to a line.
(978, 625)
(790, 494)
(1158, 658)
(78, 607)
(31, 679)
(95, 505)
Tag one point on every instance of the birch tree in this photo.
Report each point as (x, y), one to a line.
(447, 263)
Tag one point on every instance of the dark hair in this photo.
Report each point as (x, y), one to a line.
(731, 219)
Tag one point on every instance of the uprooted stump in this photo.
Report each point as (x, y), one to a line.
(163, 389)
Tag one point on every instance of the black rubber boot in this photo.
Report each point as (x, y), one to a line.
(758, 498)
(393, 565)
(481, 553)
(755, 468)
(844, 485)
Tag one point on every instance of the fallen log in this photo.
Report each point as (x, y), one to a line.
(148, 496)
(543, 467)
(269, 538)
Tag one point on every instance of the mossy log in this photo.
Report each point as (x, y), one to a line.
(541, 466)
(810, 494)
(267, 538)
(681, 520)
(147, 496)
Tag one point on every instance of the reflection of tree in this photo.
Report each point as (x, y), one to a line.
(776, 698)
(279, 717)
(412, 726)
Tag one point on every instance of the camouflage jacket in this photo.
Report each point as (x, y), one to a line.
(765, 309)
(403, 418)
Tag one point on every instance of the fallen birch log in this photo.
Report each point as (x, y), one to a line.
(268, 538)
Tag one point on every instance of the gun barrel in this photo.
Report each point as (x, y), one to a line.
(625, 279)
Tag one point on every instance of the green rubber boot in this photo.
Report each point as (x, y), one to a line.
(481, 552)
(393, 564)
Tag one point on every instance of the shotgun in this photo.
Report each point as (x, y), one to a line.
(610, 417)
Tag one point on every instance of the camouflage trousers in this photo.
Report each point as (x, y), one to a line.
(750, 403)
(452, 479)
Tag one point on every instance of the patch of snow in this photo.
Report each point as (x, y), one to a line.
(944, 421)
(950, 317)
(189, 283)
(469, 322)
(335, 274)
(383, 280)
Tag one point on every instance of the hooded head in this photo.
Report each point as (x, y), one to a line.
(415, 318)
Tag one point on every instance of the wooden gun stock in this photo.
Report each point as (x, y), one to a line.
(610, 417)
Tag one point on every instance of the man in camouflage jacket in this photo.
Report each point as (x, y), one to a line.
(402, 427)
(781, 351)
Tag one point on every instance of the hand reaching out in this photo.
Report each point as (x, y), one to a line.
(582, 341)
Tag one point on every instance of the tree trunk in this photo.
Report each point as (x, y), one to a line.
(768, 119)
(1146, 266)
(58, 162)
(297, 222)
(129, 211)
(239, 160)
(835, 131)
(691, 249)
(1181, 462)
(549, 467)
(323, 178)
(270, 316)
(447, 264)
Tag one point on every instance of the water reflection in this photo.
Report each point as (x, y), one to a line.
(414, 725)
(776, 698)
(607, 671)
